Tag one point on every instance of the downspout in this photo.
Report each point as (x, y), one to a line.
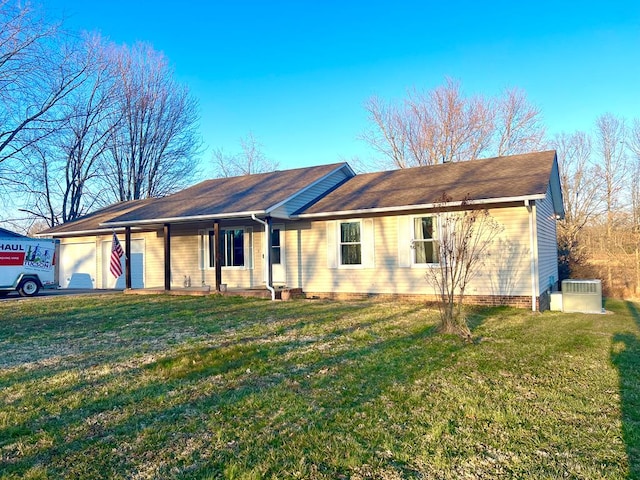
(267, 254)
(532, 254)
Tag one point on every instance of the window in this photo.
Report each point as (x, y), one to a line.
(350, 244)
(425, 240)
(231, 250)
(276, 248)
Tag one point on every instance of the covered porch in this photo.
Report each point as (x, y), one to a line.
(220, 258)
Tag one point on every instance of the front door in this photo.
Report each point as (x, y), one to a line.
(277, 255)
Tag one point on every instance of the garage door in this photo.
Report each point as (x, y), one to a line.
(137, 265)
(77, 265)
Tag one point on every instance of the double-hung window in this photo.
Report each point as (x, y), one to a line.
(350, 243)
(425, 240)
(232, 248)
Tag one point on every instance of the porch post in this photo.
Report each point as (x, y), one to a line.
(127, 258)
(217, 253)
(167, 256)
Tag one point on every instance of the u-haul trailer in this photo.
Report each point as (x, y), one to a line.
(27, 265)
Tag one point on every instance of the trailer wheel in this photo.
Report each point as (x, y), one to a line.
(28, 288)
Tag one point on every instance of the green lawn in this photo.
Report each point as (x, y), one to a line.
(194, 387)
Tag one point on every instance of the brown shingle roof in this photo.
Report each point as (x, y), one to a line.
(224, 197)
(500, 178)
(91, 222)
(515, 176)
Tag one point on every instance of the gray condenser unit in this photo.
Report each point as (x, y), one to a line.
(583, 296)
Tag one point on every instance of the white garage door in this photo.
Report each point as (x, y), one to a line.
(137, 265)
(77, 265)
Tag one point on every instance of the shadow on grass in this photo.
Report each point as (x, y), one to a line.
(625, 355)
(477, 315)
(226, 391)
(263, 384)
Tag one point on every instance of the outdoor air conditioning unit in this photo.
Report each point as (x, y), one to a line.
(584, 296)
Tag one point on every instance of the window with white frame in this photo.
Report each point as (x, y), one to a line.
(350, 243)
(276, 247)
(232, 248)
(425, 241)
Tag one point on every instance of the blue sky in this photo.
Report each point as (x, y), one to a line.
(296, 74)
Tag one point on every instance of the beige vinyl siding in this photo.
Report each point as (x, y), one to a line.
(294, 263)
(185, 252)
(153, 258)
(505, 271)
(547, 242)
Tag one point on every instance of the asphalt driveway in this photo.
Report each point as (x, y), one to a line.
(61, 291)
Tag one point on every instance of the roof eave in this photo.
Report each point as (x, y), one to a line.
(425, 206)
(192, 218)
(556, 189)
(72, 233)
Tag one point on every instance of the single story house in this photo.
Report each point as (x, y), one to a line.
(329, 232)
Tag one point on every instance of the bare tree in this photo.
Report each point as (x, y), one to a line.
(634, 147)
(64, 169)
(610, 141)
(249, 160)
(153, 150)
(455, 128)
(518, 124)
(393, 129)
(581, 187)
(464, 242)
(36, 75)
(444, 125)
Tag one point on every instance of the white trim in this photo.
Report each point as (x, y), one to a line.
(349, 266)
(532, 255)
(105, 231)
(267, 253)
(281, 267)
(220, 216)
(425, 206)
(207, 262)
(248, 248)
(203, 239)
(412, 233)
